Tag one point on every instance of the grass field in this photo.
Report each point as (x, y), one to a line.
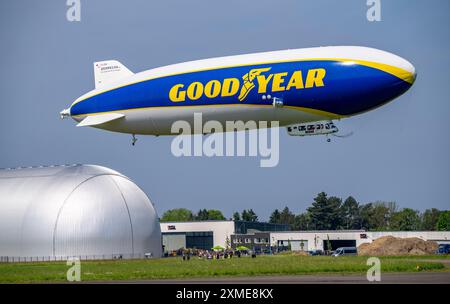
(170, 268)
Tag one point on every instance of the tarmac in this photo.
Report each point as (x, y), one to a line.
(388, 278)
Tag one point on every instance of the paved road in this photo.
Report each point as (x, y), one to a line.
(390, 278)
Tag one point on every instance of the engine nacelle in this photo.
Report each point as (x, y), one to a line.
(312, 128)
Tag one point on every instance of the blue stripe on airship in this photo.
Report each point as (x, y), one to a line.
(348, 89)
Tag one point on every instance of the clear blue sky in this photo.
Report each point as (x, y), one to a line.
(399, 152)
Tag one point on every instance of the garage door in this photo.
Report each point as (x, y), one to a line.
(338, 243)
(300, 245)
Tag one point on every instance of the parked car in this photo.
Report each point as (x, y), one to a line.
(345, 251)
(443, 249)
(315, 252)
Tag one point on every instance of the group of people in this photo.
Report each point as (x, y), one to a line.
(212, 255)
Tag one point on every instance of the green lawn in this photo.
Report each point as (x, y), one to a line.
(177, 268)
(424, 257)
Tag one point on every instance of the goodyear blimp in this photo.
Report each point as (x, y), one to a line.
(294, 87)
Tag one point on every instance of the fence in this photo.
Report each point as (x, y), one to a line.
(118, 256)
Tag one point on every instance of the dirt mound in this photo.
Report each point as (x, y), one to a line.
(389, 245)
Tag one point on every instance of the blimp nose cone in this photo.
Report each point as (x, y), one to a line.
(399, 75)
(402, 73)
(396, 66)
(414, 73)
(379, 78)
(410, 71)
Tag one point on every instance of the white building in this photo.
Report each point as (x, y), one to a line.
(207, 234)
(260, 236)
(317, 240)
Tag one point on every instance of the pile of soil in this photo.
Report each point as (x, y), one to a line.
(389, 245)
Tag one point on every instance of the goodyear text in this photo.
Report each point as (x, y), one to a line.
(266, 83)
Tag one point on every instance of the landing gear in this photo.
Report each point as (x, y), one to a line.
(133, 140)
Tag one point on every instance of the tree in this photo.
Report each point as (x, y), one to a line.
(443, 223)
(302, 222)
(380, 217)
(325, 212)
(364, 216)
(275, 217)
(177, 215)
(392, 206)
(349, 212)
(335, 204)
(202, 215)
(429, 219)
(236, 216)
(244, 215)
(287, 217)
(249, 215)
(252, 217)
(318, 211)
(405, 220)
(214, 214)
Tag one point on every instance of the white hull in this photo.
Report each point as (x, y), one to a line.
(158, 121)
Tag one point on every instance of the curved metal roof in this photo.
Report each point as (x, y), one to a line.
(74, 210)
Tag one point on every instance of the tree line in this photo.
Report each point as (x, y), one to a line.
(186, 215)
(332, 213)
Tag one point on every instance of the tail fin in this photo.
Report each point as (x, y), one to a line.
(109, 71)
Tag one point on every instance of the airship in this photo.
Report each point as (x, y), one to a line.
(294, 87)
